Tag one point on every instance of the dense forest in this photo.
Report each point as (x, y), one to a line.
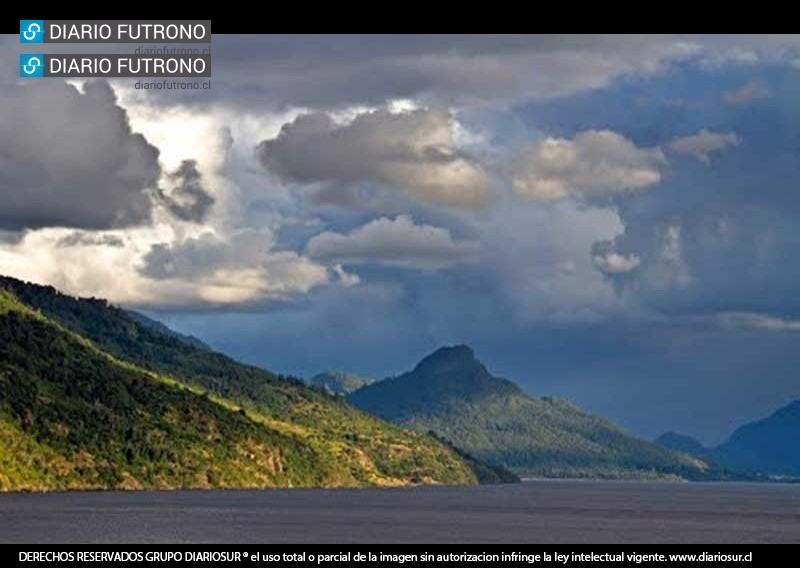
(92, 398)
(453, 394)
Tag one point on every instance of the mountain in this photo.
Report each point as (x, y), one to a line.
(337, 382)
(452, 394)
(90, 397)
(758, 450)
(681, 443)
(769, 447)
(159, 327)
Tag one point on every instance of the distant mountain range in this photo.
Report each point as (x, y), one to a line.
(337, 382)
(453, 394)
(768, 447)
(93, 396)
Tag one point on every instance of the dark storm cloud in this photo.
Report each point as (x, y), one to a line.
(325, 71)
(188, 200)
(718, 234)
(734, 253)
(333, 70)
(70, 159)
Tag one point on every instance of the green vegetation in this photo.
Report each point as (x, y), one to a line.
(91, 398)
(486, 473)
(102, 424)
(452, 394)
(159, 327)
(681, 443)
(337, 382)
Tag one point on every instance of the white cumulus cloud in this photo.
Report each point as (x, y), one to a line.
(750, 91)
(753, 320)
(703, 144)
(392, 242)
(615, 263)
(593, 163)
(413, 151)
(163, 265)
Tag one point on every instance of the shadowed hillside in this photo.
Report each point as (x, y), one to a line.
(337, 382)
(451, 393)
(769, 447)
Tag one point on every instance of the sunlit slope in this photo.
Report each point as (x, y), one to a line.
(76, 413)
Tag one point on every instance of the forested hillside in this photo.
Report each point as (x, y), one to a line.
(451, 393)
(90, 398)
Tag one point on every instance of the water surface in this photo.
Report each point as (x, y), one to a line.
(534, 511)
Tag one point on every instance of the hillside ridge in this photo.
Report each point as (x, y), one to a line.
(91, 398)
(451, 393)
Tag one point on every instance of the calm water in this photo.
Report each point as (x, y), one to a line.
(535, 511)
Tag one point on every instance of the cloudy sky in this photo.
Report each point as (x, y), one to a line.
(610, 219)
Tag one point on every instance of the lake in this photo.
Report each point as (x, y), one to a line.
(534, 511)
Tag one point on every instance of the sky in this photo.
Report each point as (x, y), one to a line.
(611, 219)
